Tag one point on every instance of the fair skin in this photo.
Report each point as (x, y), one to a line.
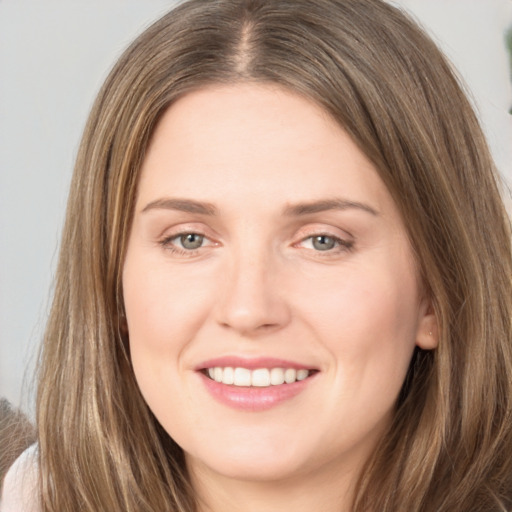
(263, 238)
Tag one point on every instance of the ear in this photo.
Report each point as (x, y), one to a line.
(123, 325)
(427, 335)
(122, 322)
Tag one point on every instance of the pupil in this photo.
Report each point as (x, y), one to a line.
(323, 243)
(191, 241)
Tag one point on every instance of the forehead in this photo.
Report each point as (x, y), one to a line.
(255, 141)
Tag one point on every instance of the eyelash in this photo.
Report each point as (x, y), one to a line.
(341, 245)
(168, 244)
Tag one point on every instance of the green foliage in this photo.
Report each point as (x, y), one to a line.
(508, 43)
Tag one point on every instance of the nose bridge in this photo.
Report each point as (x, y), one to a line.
(250, 299)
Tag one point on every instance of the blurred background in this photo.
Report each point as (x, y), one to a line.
(54, 56)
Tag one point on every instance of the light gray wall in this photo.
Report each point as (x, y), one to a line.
(472, 35)
(53, 58)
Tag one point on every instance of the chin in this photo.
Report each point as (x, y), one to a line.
(256, 465)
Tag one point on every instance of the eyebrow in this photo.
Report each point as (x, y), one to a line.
(325, 205)
(182, 205)
(295, 210)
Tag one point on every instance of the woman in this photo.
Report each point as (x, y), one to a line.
(285, 276)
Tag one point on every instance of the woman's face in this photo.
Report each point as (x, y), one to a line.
(267, 253)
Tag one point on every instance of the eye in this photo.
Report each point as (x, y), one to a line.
(190, 241)
(323, 242)
(185, 244)
(326, 243)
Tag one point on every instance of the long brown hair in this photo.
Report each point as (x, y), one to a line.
(371, 68)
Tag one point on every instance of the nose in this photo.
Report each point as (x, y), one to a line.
(251, 299)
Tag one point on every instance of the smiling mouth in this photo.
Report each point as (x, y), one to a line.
(260, 377)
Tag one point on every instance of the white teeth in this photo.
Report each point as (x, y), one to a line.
(302, 374)
(242, 377)
(277, 376)
(290, 375)
(228, 375)
(217, 374)
(262, 377)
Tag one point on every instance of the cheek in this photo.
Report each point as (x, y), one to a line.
(367, 324)
(163, 309)
(367, 319)
(146, 304)
(148, 314)
(160, 315)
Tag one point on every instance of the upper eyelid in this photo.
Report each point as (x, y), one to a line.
(341, 241)
(171, 236)
(300, 234)
(330, 235)
(169, 244)
(175, 236)
(185, 228)
(321, 230)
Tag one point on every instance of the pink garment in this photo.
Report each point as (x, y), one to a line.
(19, 492)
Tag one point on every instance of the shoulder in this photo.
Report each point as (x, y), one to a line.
(20, 489)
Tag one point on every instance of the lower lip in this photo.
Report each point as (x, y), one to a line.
(254, 398)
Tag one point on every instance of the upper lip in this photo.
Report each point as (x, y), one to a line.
(252, 363)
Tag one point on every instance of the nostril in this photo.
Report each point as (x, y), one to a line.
(267, 326)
